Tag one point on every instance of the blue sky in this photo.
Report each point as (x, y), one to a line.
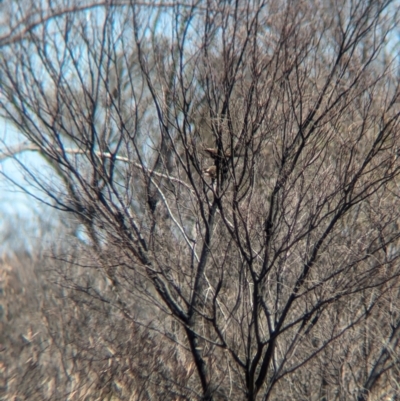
(13, 201)
(25, 223)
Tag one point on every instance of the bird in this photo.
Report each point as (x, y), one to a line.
(213, 152)
(210, 172)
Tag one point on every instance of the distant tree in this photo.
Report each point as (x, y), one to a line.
(233, 168)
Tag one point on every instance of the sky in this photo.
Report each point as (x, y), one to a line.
(21, 216)
(12, 199)
(14, 203)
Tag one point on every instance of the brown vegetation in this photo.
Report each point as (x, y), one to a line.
(276, 280)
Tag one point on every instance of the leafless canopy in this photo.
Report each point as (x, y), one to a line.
(261, 263)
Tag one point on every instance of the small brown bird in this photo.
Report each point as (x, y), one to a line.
(210, 172)
(213, 152)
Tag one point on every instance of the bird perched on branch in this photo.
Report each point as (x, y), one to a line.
(210, 172)
(213, 152)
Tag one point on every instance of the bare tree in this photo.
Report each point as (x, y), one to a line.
(232, 164)
(63, 333)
